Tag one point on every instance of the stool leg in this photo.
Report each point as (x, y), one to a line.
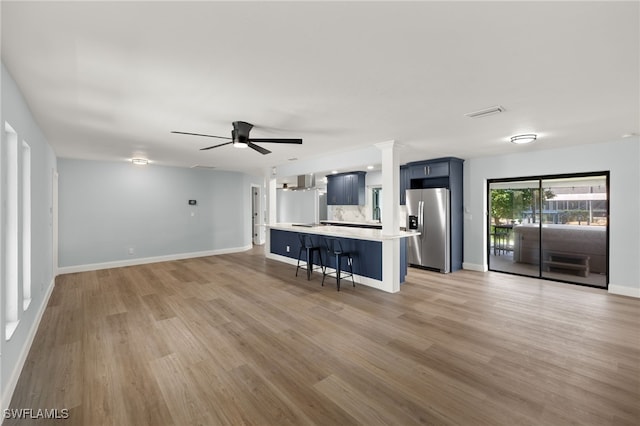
(298, 266)
(338, 259)
(309, 264)
(350, 262)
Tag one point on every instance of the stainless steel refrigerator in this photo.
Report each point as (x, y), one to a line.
(428, 213)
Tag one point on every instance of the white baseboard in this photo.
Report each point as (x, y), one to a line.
(7, 393)
(474, 267)
(145, 260)
(624, 290)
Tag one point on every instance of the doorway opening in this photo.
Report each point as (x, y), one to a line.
(255, 216)
(552, 227)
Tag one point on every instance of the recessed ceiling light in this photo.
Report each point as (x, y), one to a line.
(140, 161)
(369, 167)
(334, 171)
(523, 139)
(629, 135)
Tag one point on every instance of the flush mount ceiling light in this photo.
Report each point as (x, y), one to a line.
(140, 161)
(523, 139)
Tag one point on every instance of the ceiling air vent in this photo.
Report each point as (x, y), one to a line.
(484, 112)
(200, 166)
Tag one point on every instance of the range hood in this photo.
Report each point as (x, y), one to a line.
(301, 183)
(306, 181)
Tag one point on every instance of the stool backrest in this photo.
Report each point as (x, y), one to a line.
(305, 240)
(333, 245)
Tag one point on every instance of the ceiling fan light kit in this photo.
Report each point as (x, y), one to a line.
(240, 138)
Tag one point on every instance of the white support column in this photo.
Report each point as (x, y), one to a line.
(390, 216)
(272, 202)
(272, 209)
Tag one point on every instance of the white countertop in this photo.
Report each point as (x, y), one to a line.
(352, 223)
(344, 232)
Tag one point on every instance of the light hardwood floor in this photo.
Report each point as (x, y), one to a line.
(238, 339)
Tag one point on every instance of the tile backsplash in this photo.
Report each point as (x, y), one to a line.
(360, 214)
(348, 213)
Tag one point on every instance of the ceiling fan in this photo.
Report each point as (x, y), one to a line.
(240, 138)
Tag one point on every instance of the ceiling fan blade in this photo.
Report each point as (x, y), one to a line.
(278, 140)
(260, 149)
(215, 146)
(200, 134)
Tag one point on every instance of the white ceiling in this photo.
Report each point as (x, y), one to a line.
(110, 80)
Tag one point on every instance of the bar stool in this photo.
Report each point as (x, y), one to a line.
(306, 244)
(334, 248)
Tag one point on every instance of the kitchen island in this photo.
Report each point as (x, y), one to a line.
(365, 244)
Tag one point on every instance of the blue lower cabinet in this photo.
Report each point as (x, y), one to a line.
(367, 255)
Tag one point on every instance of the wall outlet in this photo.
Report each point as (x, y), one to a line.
(131, 251)
(288, 249)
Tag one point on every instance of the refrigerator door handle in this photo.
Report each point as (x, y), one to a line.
(421, 218)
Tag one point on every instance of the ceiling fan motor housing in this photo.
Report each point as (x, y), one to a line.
(242, 129)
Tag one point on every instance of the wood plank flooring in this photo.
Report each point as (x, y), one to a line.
(238, 339)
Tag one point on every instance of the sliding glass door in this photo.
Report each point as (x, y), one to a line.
(552, 227)
(513, 205)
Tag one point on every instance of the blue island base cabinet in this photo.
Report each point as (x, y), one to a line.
(367, 255)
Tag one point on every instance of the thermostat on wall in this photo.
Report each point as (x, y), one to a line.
(192, 202)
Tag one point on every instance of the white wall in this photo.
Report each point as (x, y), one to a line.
(621, 158)
(297, 206)
(108, 208)
(43, 162)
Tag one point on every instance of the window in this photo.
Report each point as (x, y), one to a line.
(376, 204)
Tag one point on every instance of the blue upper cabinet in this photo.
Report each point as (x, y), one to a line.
(335, 190)
(404, 184)
(346, 189)
(430, 169)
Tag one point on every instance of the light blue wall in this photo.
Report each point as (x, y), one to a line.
(107, 208)
(43, 162)
(621, 158)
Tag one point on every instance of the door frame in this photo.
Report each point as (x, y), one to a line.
(540, 179)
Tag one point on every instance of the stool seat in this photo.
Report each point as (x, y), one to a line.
(335, 250)
(307, 245)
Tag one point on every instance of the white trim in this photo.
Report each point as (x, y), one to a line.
(22, 358)
(622, 290)
(369, 282)
(145, 260)
(474, 267)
